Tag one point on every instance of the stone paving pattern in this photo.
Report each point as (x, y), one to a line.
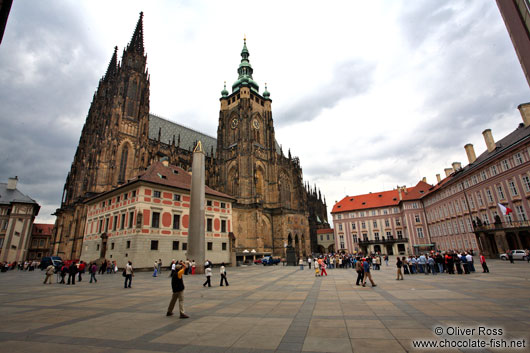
(265, 309)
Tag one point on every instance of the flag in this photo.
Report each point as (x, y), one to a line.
(505, 210)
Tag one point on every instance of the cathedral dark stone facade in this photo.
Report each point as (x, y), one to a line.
(121, 138)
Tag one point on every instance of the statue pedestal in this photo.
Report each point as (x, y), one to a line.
(290, 256)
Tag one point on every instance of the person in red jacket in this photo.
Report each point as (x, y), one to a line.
(81, 270)
(483, 263)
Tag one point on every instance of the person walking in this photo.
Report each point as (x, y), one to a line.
(159, 266)
(301, 263)
(386, 259)
(399, 264)
(367, 274)
(483, 263)
(50, 270)
(432, 264)
(64, 270)
(323, 269)
(177, 286)
(93, 269)
(72, 271)
(510, 256)
(222, 271)
(359, 270)
(129, 273)
(155, 269)
(208, 273)
(309, 262)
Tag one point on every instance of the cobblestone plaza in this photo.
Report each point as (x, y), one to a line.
(265, 309)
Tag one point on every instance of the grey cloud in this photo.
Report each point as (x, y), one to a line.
(48, 77)
(349, 79)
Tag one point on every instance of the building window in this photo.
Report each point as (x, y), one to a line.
(388, 235)
(363, 225)
(223, 205)
(414, 205)
(107, 224)
(176, 197)
(479, 199)
(500, 192)
(125, 196)
(131, 219)
(526, 183)
(111, 246)
(223, 226)
(355, 240)
(128, 244)
(327, 236)
(101, 226)
(483, 175)
(387, 223)
(223, 246)
(420, 232)
(375, 224)
(110, 202)
(176, 221)
(122, 226)
(154, 244)
(417, 218)
(118, 199)
(505, 165)
(365, 237)
(518, 158)
(513, 188)
(156, 194)
(155, 222)
(208, 202)
(398, 222)
(385, 211)
(115, 223)
(373, 213)
(134, 193)
(471, 203)
(376, 236)
(353, 226)
(521, 214)
(493, 170)
(184, 246)
(208, 224)
(175, 245)
(489, 195)
(97, 247)
(210, 246)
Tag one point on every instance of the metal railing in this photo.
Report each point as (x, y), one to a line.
(383, 241)
(502, 225)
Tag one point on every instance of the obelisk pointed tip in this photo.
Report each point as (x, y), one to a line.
(198, 147)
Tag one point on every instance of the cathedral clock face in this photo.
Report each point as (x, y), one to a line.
(234, 123)
(255, 124)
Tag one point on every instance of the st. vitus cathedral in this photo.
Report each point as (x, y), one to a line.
(120, 139)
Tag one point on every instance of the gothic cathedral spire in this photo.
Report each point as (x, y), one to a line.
(137, 40)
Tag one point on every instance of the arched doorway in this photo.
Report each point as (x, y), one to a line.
(377, 248)
(297, 245)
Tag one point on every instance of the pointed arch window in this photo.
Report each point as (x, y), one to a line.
(123, 164)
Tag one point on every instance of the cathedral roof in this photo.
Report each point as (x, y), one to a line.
(188, 137)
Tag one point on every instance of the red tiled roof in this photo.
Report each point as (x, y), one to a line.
(324, 231)
(42, 229)
(381, 199)
(173, 176)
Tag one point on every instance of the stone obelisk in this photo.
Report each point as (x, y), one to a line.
(196, 245)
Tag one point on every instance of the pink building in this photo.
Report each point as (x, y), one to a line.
(391, 222)
(460, 212)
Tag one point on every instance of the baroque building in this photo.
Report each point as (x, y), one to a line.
(121, 139)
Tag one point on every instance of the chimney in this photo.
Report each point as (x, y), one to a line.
(424, 179)
(524, 109)
(448, 171)
(457, 166)
(438, 177)
(12, 183)
(470, 151)
(399, 193)
(488, 138)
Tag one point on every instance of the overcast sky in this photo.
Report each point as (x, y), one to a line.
(369, 94)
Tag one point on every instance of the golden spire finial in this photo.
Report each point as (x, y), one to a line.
(244, 37)
(198, 148)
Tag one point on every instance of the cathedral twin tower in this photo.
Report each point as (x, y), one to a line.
(120, 139)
